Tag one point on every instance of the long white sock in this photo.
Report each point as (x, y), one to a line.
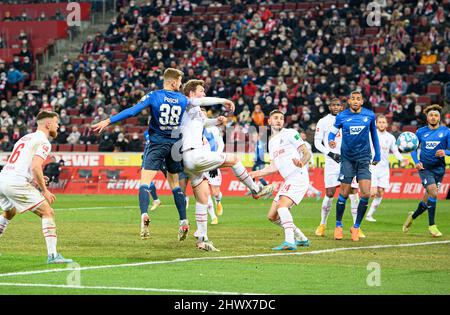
(218, 197)
(354, 201)
(241, 173)
(288, 224)
(49, 231)
(326, 207)
(201, 218)
(211, 212)
(299, 234)
(373, 207)
(3, 224)
(187, 202)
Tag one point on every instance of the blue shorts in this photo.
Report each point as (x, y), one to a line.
(158, 155)
(258, 166)
(350, 169)
(182, 175)
(430, 177)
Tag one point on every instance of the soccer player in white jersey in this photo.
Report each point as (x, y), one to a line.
(289, 156)
(23, 169)
(380, 172)
(214, 137)
(197, 159)
(332, 165)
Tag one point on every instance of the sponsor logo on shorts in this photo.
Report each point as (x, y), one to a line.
(356, 130)
(431, 144)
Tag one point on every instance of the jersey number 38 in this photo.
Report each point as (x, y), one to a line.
(169, 115)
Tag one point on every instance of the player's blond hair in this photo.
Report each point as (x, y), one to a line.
(430, 108)
(172, 74)
(46, 114)
(381, 116)
(191, 86)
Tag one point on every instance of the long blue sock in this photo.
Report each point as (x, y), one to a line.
(421, 208)
(340, 208)
(431, 205)
(153, 191)
(362, 208)
(180, 202)
(144, 198)
(263, 181)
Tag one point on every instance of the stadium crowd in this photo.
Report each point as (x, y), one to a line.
(262, 59)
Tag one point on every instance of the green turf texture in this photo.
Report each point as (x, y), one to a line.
(110, 236)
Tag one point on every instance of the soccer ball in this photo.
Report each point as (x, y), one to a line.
(407, 142)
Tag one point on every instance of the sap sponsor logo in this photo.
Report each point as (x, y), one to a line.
(356, 130)
(431, 144)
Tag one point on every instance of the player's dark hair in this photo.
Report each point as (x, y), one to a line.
(275, 111)
(355, 92)
(335, 99)
(46, 114)
(191, 86)
(172, 74)
(429, 108)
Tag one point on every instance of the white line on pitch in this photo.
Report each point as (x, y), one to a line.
(178, 260)
(61, 286)
(105, 207)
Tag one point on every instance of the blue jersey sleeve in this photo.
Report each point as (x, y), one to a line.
(447, 150)
(145, 102)
(335, 129)
(375, 140)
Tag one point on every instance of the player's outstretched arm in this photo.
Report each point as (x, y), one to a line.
(375, 142)
(211, 101)
(38, 175)
(127, 113)
(268, 170)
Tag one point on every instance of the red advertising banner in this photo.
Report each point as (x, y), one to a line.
(94, 179)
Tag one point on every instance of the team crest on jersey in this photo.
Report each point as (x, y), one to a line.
(431, 144)
(356, 130)
(441, 135)
(365, 119)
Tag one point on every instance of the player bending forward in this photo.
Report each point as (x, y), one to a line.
(434, 142)
(197, 159)
(23, 167)
(332, 166)
(380, 172)
(289, 156)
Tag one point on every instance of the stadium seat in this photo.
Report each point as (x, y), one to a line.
(276, 7)
(290, 6)
(434, 89)
(424, 99)
(73, 111)
(302, 6)
(76, 121)
(64, 147)
(409, 128)
(92, 147)
(88, 120)
(54, 147)
(380, 109)
(79, 148)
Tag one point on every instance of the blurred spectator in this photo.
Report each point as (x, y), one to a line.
(135, 144)
(398, 87)
(121, 144)
(106, 143)
(74, 136)
(5, 144)
(62, 136)
(88, 136)
(258, 116)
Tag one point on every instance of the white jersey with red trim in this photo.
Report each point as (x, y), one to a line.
(18, 167)
(283, 147)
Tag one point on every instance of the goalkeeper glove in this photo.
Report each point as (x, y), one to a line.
(336, 157)
(213, 173)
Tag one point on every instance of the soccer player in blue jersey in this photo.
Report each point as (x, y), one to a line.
(167, 107)
(358, 130)
(434, 144)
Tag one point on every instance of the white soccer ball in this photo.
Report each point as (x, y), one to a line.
(407, 142)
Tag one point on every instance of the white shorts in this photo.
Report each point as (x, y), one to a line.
(198, 161)
(295, 187)
(331, 177)
(23, 197)
(380, 177)
(214, 181)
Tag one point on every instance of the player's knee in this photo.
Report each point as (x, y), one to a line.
(329, 194)
(272, 217)
(380, 194)
(433, 194)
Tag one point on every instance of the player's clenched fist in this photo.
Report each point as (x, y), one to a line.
(297, 163)
(100, 126)
(229, 105)
(49, 196)
(222, 120)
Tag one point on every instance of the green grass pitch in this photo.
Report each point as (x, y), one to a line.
(103, 231)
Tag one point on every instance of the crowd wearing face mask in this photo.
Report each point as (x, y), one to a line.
(262, 59)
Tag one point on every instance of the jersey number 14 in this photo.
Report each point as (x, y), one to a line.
(169, 115)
